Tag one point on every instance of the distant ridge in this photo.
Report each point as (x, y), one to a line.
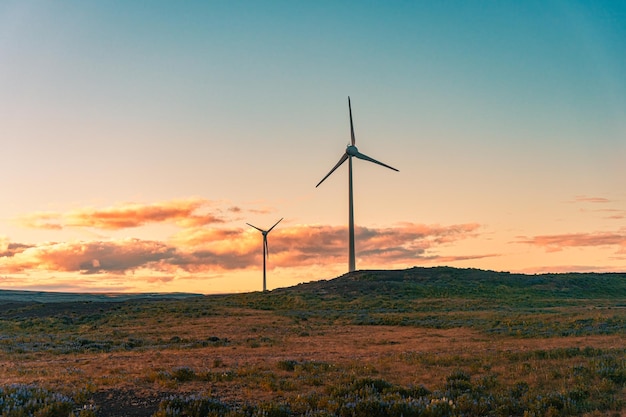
(18, 296)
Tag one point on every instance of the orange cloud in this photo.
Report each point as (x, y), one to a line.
(559, 242)
(42, 220)
(181, 212)
(99, 283)
(200, 236)
(212, 249)
(185, 213)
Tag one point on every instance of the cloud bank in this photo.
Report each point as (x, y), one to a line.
(227, 249)
(205, 244)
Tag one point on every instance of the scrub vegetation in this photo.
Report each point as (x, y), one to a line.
(418, 342)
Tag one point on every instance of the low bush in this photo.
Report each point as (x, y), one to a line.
(28, 400)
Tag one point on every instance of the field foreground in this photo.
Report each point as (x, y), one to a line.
(423, 342)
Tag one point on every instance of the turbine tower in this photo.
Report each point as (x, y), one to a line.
(351, 151)
(265, 248)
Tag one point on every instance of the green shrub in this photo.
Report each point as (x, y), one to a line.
(183, 374)
(287, 365)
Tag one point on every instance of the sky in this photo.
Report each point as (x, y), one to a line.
(139, 137)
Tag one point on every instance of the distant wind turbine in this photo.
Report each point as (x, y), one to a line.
(351, 151)
(265, 247)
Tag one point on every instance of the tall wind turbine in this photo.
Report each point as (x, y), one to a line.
(351, 151)
(265, 248)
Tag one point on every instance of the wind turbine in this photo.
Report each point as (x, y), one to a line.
(265, 248)
(351, 151)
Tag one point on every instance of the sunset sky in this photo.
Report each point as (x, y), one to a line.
(139, 137)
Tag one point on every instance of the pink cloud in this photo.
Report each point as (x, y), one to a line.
(317, 245)
(595, 239)
(617, 214)
(454, 258)
(556, 269)
(587, 199)
(88, 257)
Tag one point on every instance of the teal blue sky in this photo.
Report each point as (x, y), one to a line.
(508, 116)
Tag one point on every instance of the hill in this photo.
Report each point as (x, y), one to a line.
(445, 297)
(475, 283)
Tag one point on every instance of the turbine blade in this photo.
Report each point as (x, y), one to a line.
(341, 161)
(351, 125)
(367, 158)
(251, 225)
(270, 229)
(267, 248)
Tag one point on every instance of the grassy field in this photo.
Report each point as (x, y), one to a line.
(417, 342)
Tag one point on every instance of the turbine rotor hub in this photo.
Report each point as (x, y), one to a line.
(352, 150)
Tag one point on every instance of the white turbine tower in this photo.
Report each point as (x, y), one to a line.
(351, 151)
(265, 248)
